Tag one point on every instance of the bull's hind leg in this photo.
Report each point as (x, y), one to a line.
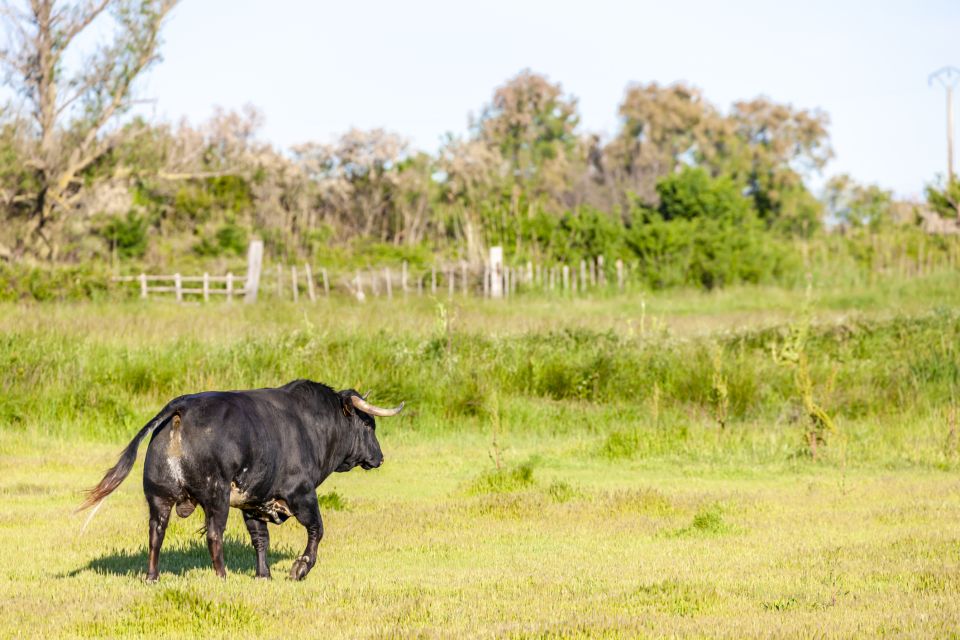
(159, 517)
(260, 538)
(307, 512)
(216, 514)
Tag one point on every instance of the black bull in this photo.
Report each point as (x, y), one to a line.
(263, 451)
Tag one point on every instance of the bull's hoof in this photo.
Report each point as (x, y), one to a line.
(301, 567)
(263, 576)
(151, 579)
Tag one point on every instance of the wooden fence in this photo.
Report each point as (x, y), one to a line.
(490, 280)
(293, 282)
(209, 285)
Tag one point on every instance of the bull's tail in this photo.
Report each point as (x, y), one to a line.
(118, 473)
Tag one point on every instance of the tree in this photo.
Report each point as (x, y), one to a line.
(357, 179)
(661, 128)
(858, 206)
(704, 231)
(945, 199)
(533, 124)
(73, 112)
(776, 146)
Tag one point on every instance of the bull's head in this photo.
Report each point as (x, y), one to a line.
(366, 448)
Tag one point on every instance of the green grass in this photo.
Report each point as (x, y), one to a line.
(619, 508)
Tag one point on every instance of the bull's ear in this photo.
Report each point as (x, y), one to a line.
(346, 406)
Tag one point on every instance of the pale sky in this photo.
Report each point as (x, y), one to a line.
(419, 67)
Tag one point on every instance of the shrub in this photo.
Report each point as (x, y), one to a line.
(127, 235)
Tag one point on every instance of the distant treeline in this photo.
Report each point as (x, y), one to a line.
(691, 193)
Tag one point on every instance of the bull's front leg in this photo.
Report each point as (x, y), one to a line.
(260, 538)
(307, 512)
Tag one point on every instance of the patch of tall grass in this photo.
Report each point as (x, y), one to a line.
(644, 395)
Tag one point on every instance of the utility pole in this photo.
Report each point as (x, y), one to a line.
(948, 77)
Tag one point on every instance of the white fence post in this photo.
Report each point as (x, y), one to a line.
(254, 264)
(178, 286)
(496, 272)
(309, 275)
(293, 281)
(229, 286)
(143, 286)
(206, 287)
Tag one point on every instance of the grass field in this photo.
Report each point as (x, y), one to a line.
(656, 477)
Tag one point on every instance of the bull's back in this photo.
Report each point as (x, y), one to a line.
(218, 438)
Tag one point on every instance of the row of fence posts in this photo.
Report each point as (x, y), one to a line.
(495, 280)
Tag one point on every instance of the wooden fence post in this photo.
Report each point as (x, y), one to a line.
(178, 286)
(583, 275)
(309, 275)
(601, 274)
(566, 278)
(359, 284)
(496, 272)
(388, 277)
(254, 265)
(620, 275)
(143, 286)
(326, 283)
(229, 287)
(293, 283)
(206, 287)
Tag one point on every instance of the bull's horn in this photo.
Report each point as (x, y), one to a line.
(366, 407)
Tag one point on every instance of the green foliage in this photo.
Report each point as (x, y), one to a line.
(708, 520)
(332, 501)
(62, 283)
(127, 235)
(858, 206)
(229, 239)
(503, 480)
(703, 233)
(945, 199)
(692, 194)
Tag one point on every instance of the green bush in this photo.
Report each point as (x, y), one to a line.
(53, 283)
(128, 235)
(703, 233)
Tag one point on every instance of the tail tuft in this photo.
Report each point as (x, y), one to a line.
(118, 473)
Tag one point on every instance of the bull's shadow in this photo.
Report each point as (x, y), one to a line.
(178, 558)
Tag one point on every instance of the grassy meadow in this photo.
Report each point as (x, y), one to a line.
(751, 462)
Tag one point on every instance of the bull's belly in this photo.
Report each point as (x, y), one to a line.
(275, 510)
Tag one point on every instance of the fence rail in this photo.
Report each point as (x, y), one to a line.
(229, 289)
(494, 278)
